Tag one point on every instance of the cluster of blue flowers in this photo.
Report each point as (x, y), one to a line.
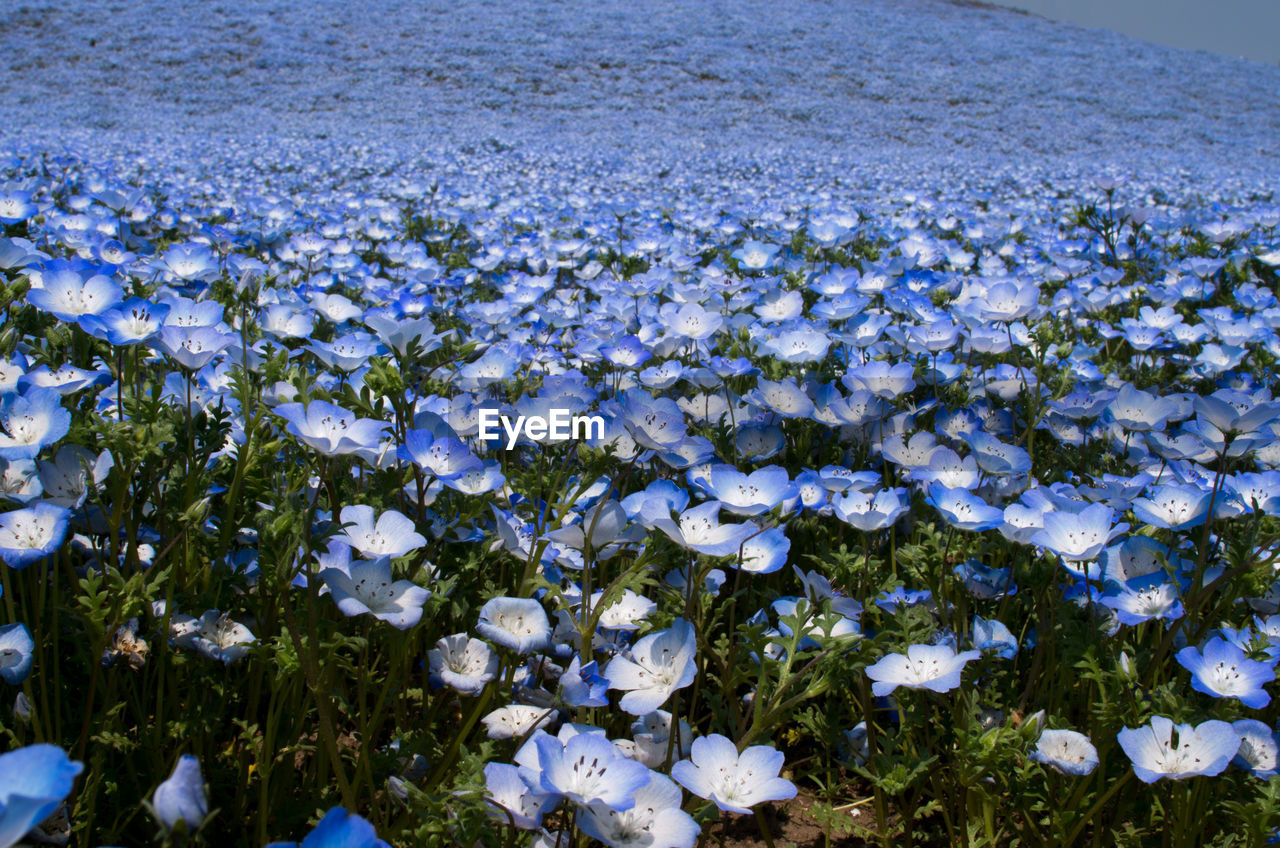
(966, 405)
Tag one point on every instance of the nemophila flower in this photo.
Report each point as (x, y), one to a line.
(655, 667)
(933, 667)
(16, 206)
(881, 378)
(663, 375)
(193, 347)
(691, 321)
(129, 323)
(985, 582)
(909, 454)
(1137, 556)
(72, 474)
(755, 256)
(330, 429)
(345, 354)
(654, 423)
(962, 509)
(1066, 751)
(520, 624)
(33, 781)
(1143, 599)
(750, 494)
(733, 781)
(476, 481)
(629, 352)
(1139, 411)
(68, 296)
(624, 613)
(901, 597)
(516, 801)
(181, 798)
(1257, 492)
(603, 526)
(30, 422)
(32, 533)
(1223, 671)
(462, 663)
(189, 314)
(338, 829)
(870, 511)
(190, 261)
(1259, 752)
(766, 552)
(995, 457)
(1078, 536)
(759, 441)
(1162, 749)
(517, 720)
(654, 821)
(214, 635)
(992, 635)
(66, 380)
(581, 685)
(17, 650)
(797, 344)
(392, 535)
(783, 397)
(699, 529)
(588, 769)
(1174, 507)
(948, 469)
(287, 321)
(367, 587)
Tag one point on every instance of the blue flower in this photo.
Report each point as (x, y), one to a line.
(1223, 671)
(655, 821)
(750, 494)
(1067, 751)
(992, 635)
(33, 782)
(587, 769)
(338, 829)
(933, 667)
(1078, 536)
(30, 422)
(367, 586)
(67, 295)
(16, 653)
(330, 429)
(32, 533)
(655, 667)
(1162, 749)
(181, 798)
(132, 322)
(582, 686)
(962, 509)
(1259, 752)
(520, 624)
(733, 781)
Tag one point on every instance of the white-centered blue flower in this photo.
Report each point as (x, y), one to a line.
(733, 781)
(933, 667)
(1162, 749)
(655, 667)
(368, 587)
(1067, 751)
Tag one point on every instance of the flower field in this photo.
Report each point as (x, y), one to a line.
(900, 499)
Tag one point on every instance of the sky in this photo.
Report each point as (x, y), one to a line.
(1248, 28)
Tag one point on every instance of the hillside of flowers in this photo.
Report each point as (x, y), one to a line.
(928, 487)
